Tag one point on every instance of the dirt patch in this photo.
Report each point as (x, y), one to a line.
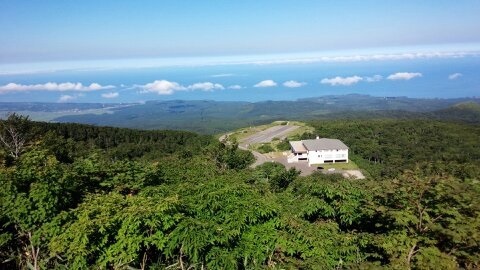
(356, 174)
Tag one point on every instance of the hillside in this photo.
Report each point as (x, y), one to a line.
(213, 117)
(468, 112)
(80, 196)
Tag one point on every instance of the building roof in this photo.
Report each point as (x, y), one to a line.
(324, 144)
(298, 147)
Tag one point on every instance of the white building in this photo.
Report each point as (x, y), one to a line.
(318, 151)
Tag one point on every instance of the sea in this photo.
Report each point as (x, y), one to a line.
(436, 80)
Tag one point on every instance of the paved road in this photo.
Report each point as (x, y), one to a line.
(264, 137)
(259, 157)
(268, 134)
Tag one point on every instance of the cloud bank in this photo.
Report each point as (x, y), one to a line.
(266, 83)
(293, 58)
(52, 86)
(345, 81)
(454, 76)
(404, 76)
(363, 58)
(293, 84)
(110, 95)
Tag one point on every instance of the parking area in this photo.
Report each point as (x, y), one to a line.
(307, 170)
(301, 166)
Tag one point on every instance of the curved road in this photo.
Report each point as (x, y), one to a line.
(262, 137)
(259, 157)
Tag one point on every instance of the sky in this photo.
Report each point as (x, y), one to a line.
(90, 30)
(51, 37)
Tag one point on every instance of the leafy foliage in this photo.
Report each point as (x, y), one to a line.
(82, 197)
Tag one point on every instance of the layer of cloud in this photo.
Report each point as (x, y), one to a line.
(454, 76)
(222, 75)
(266, 83)
(162, 87)
(110, 95)
(404, 76)
(346, 81)
(52, 86)
(293, 84)
(235, 87)
(206, 86)
(364, 58)
(406, 54)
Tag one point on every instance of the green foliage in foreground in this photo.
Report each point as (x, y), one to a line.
(73, 204)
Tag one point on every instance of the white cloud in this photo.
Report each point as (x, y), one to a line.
(374, 78)
(206, 86)
(404, 76)
(162, 87)
(266, 83)
(342, 80)
(66, 98)
(110, 95)
(454, 76)
(51, 86)
(293, 84)
(235, 87)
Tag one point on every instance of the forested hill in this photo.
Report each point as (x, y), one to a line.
(467, 112)
(213, 117)
(81, 197)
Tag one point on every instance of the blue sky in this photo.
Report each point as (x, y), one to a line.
(48, 30)
(123, 51)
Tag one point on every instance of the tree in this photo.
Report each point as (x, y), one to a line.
(114, 231)
(429, 219)
(14, 134)
(32, 194)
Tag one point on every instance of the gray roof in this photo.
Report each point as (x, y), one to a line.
(298, 147)
(324, 144)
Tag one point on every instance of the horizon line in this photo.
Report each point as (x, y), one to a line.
(325, 56)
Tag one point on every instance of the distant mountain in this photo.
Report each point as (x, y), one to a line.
(468, 112)
(211, 117)
(52, 107)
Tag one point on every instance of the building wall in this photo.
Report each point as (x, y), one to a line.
(295, 157)
(319, 157)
